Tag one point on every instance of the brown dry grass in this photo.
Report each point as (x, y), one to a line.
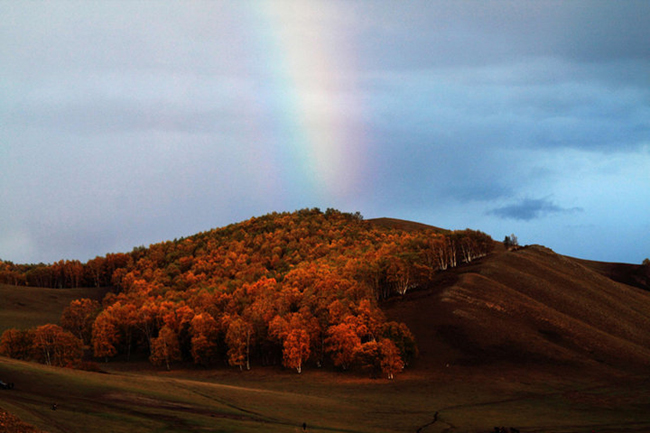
(626, 273)
(12, 424)
(27, 307)
(529, 306)
(522, 338)
(394, 223)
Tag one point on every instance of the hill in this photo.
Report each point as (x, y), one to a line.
(626, 273)
(313, 277)
(525, 337)
(409, 226)
(27, 307)
(301, 289)
(528, 308)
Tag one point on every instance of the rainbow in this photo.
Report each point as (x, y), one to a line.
(310, 106)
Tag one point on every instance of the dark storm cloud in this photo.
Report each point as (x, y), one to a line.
(537, 75)
(471, 33)
(123, 123)
(529, 209)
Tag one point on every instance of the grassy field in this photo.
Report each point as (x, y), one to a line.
(522, 339)
(26, 307)
(137, 399)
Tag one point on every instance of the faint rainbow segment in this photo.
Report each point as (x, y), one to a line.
(310, 103)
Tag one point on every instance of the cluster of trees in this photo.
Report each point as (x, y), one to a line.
(314, 317)
(511, 242)
(97, 272)
(298, 288)
(49, 344)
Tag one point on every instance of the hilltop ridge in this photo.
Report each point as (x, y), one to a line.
(522, 337)
(466, 299)
(529, 307)
(301, 289)
(406, 225)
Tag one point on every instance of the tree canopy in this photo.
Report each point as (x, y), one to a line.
(301, 289)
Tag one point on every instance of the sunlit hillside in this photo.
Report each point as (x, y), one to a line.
(475, 334)
(300, 289)
(533, 308)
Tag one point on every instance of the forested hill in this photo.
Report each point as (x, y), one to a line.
(299, 288)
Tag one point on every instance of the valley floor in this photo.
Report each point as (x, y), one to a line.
(524, 339)
(457, 399)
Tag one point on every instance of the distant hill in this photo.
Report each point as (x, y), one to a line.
(399, 224)
(26, 307)
(530, 307)
(630, 274)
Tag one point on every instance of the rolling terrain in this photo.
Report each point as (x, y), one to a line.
(26, 307)
(529, 307)
(524, 338)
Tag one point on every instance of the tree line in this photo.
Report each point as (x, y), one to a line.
(300, 289)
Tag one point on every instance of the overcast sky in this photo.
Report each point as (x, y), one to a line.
(125, 123)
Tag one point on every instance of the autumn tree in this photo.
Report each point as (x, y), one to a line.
(147, 320)
(105, 336)
(296, 349)
(372, 270)
(53, 345)
(367, 320)
(341, 343)
(368, 357)
(179, 318)
(165, 348)
(95, 271)
(238, 339)
(391, 362)
(511, 242)
(73, 272)
(16, 343)
(399, 334)
(124, 317)
(79, 316)
(205, 334)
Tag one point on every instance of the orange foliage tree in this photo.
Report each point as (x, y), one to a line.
(17, 343)
(52, 345)
(79, 316)
(105, 336)
(342, 343)
(238, 339)
(390, 360)
(297, 288)
(205, 334)
(165, 348)
(296, 349)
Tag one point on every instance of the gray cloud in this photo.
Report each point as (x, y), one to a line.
(469, 33)
(530, 209)
(125, 123)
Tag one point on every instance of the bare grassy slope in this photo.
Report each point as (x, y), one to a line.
(11, 424)
(462, 400)
(395, 223)
(525, 307)
(26, 307)
(626, 273)
(495, 337)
